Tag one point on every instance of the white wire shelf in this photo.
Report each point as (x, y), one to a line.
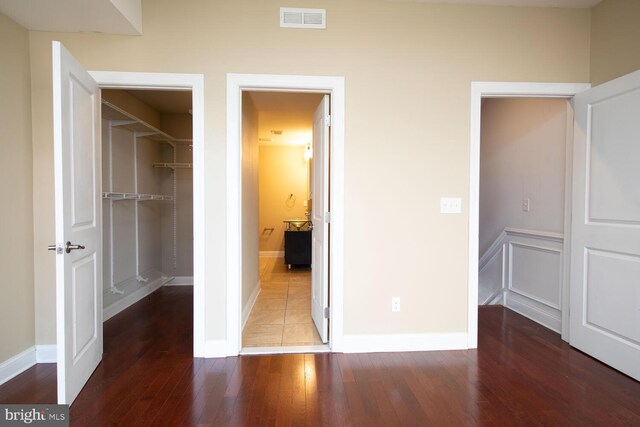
(122, 118)
(173, 166)
(136, 196)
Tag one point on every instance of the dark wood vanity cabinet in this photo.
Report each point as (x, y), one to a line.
(297, 248)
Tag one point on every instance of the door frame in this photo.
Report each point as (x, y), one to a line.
(236, 85)
(481, 90)
(194, 83)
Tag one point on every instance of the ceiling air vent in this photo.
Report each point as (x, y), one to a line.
(303, 18)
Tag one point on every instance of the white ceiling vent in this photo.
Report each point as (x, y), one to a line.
(303, 18)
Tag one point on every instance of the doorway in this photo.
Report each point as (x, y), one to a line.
(237, 84)
(193, 83)
(480, 90)
(280, 222)
(525, 152)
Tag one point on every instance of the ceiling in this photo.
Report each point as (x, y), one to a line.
(525, 3)
(101, 16)
(291, 113)
(165, 101)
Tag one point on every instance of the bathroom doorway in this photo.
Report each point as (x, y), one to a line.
(281, 174)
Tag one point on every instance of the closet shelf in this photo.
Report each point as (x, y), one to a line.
(136, 196)
(122, 118)
(173, 166)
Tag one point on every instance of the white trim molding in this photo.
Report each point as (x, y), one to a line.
(249, 305)
(46, 353)
(496, 275)
(215, 348)
(236, 84)
(194, 83)
(404, 342)
(17, 364)
(180, 281)
(504, 90)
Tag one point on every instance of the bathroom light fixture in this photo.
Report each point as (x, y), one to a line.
(308, 153)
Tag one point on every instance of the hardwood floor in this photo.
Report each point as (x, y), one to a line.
(521, 374)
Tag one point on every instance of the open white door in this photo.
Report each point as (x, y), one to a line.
(76, 123)
(605, 232)
(320, 219)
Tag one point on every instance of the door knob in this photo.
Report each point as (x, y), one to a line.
(69, 247)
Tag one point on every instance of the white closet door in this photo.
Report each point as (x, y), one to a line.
(605, 232)
(78, 208)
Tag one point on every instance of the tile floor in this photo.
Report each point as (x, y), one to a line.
(282, 314)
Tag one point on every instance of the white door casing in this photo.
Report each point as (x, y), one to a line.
(78, 218)
(320, 208)
(605, 233)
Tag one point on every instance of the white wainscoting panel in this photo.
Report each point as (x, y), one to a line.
(522, 270)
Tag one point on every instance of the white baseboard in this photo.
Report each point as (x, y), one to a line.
(17, 364)
(46, 353)
(215, 348)
(403, 342)
(246, 312)
(540, 313)
(271, 254)
(180, 281)
(133, 298)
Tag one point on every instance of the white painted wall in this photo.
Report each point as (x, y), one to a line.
(250, 220)
(522, 155)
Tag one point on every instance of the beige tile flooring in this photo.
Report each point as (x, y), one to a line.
(282, 314)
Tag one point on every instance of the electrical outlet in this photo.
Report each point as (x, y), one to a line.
(450, 205)
(526, 204)
(395, 304)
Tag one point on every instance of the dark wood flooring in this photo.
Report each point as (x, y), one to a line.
(521, 374)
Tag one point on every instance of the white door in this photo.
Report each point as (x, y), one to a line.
(605, 232)
(319, 217)
(76, 113)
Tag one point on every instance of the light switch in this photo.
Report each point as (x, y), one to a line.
(526, 205)
(450, 205)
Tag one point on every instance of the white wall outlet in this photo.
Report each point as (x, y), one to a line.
(450, 205)
(526, 205)
(395, 304)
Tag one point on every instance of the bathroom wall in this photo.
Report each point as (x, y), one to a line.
(283, 172)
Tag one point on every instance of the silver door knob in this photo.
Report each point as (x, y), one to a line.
(69, 247)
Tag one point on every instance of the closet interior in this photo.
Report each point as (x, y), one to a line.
(147, 193)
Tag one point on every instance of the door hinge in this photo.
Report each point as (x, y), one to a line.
(327, 313)
(327, 217)
(327, 120)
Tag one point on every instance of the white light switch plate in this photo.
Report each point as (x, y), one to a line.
(450, 205)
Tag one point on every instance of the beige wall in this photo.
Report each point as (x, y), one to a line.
(283, 172)
(250, 271)
(615, 39)
(16, 188)
(407, 67)
(522, 155)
